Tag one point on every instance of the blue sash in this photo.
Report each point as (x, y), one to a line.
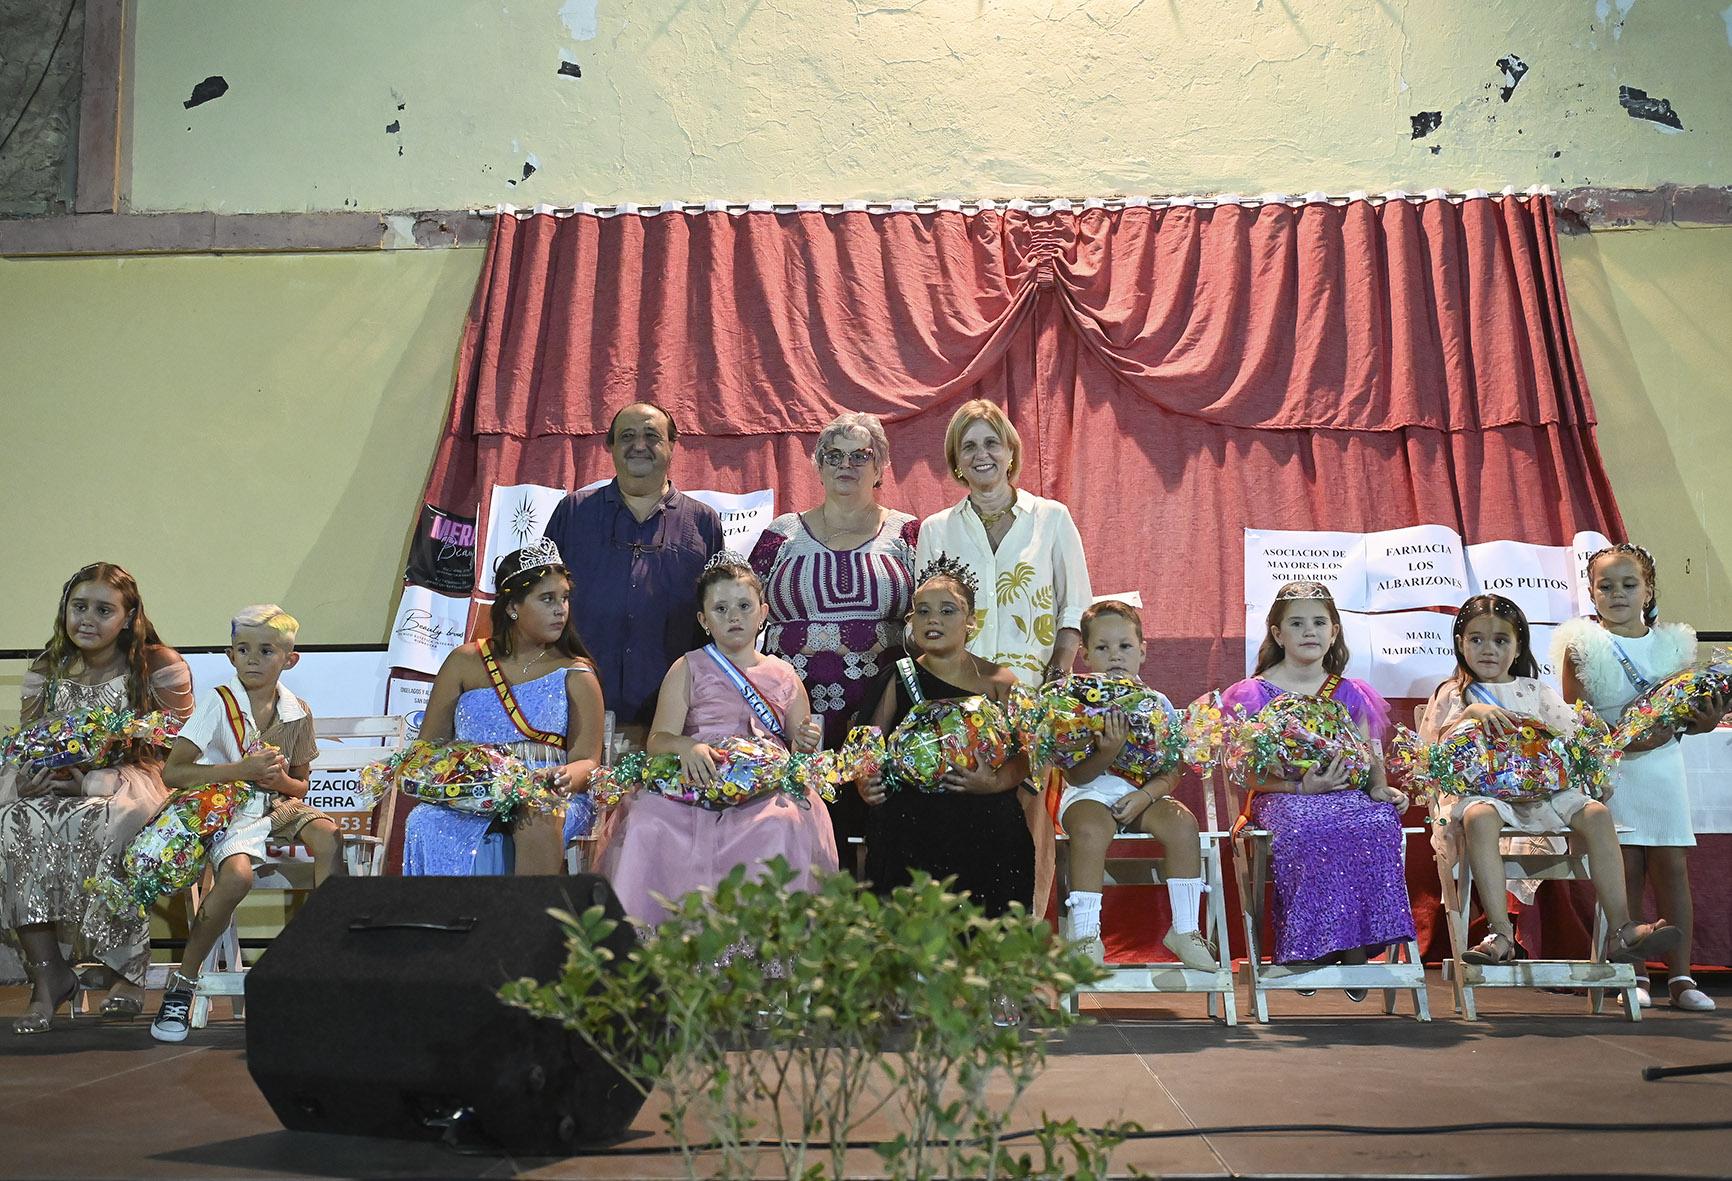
(760, 707)
(1642, 684)
(1479, 691)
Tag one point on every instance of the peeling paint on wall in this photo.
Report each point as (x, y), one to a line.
(1603, 10)
(1425, 123)
(1514, 70)
(1726, 15)
(578, 17)
(214, 86)
(1656, 110)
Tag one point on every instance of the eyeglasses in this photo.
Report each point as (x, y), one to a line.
(832, 457)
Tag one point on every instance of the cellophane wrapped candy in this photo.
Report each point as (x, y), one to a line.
(1671, 703)
(751, 768)
(89, 738)
(169, 853)
(860, 757)
(951, 734)
(1072, 714)
(468, 776)
(1529, 764)
(1206, 728)
(1292, 735)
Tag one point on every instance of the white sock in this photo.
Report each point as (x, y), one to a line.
(1085, 914)
(1186, 895)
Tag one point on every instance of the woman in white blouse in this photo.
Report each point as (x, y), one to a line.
(1034, 580)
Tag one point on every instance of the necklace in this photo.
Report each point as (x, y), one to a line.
(831, 533)
(989, 519)
(528, 664)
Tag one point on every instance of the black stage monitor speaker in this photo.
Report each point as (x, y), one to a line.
(375, 1013)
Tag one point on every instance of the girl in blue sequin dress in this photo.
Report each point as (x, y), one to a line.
(531, 689)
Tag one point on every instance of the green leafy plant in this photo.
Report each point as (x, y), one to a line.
(773, 1018)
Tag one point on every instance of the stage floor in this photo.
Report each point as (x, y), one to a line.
(108, 1102)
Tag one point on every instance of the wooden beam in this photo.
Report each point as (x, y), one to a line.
(105, 107)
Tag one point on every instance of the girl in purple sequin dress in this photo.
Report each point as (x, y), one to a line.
(546, 680)
(1340, 886)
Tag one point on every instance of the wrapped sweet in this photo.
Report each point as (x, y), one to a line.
(169, 853)
(1206, 728)
(950, 734)
(1671, 703)
(1526, 764)
(1294, 734)
(471, 777)
(1072, 714)
(89, 738)
(751, 768)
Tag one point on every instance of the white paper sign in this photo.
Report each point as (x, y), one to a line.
(1540, 579)
(1421, 566)
(1540, 635)
(1585, 545)
(1274, 557)
(428, 626)
(1411, 651)
(1355, 629)
(406, 698)
(744, 516)
(1128, 598)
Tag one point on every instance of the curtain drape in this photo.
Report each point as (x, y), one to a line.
(1177, 374)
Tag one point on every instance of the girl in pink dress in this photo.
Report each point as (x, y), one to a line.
(664, 848)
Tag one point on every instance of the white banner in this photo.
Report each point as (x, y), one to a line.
(406, 698)
(1410, 652)
(1421, 566)
(1540, 579)
(744, 516)
(428, 626)
(1277, 556)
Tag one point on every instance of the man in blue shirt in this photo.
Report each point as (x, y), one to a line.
(635, 547)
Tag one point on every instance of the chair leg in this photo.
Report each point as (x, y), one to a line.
(1421, 995)
(1215, 914)
(1250, 899)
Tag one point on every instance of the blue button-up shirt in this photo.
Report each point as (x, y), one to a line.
(634, 587)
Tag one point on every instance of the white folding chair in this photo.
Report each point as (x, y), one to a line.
(345, 746)
(1400, 970)
(1221, 998)
(1455, 876)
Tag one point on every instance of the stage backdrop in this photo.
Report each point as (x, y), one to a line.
(1179, 372)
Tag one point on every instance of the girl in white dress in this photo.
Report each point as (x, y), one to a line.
(1496, 684)
(1607, 662)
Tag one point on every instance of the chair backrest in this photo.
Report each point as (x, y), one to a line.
(348, 744)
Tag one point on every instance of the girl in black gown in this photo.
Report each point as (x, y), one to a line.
(974, 827)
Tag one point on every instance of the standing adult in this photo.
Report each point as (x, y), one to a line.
(1034, 580)
(839, 579)
(60, 828)
(637, 546)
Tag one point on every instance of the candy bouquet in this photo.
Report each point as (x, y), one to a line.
(1529, 763)
(89, 738)
(1073, 713)
(1670, 704)
(468, 776)
(939, 736)
(169, 853)
(1294, 734)
(750, 769)
(1206, 729)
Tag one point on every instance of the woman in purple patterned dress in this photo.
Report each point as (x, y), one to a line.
(1340, 886)
(839, 579)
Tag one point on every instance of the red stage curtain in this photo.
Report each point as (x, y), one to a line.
(1178, 374)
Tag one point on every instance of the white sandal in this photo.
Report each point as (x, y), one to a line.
(1689, 997)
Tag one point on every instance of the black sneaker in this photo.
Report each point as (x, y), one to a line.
(174, 1020)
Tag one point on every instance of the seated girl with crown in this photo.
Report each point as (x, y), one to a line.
(529, 687)
(668, 844)
(970, 823)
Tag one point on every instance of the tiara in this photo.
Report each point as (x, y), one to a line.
(724, 557)
(531, 558)
(948, 567)
(1303, 590)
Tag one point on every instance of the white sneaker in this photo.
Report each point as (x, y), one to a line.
(1091, 946)
(1691, 998)
(1192, 950)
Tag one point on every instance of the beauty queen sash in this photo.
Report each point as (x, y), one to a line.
(765, 714)
(1642, 684)
(508, 700)
(235, 716)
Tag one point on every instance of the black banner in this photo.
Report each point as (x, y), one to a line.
(442, 556)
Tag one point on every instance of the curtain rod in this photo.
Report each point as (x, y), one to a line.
(1038, 206)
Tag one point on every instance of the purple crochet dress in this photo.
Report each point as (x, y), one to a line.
(1339, 879)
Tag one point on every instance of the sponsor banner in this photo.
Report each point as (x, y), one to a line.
(406, 698)
(1410, 651)
(1585, 545)
(428, 626)
(442, 555)
(1540, 579)
(1422, 566)
(1274, 557)
(744, 516)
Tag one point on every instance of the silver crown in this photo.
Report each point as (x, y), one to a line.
(1303, 590)
(950, 567)
(724, 557)
(543, 555)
